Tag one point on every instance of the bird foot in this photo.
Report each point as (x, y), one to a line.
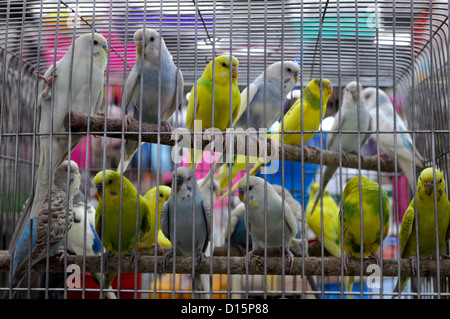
(167, 127)
(376, 257)
(345, 155)
(159, 249)
(49, 83)
(253, 253)
(347, 256)
(201, 258)
(100, 113)
(413, 263)
(167, 256)
(127, 123)
(133, 255)
(290, 257)
(62, 252)
(106, 256)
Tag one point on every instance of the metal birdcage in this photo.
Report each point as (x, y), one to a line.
(398, 46)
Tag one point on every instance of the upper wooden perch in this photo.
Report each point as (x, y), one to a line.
(78, 122)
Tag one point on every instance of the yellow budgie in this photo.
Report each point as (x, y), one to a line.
(109, 220)
(330, 221)
(111, 217)
(371, 210)
(202, 100)
(148, 240)
(293, 120)
(426, 217)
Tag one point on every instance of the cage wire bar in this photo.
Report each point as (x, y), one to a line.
(398, 46)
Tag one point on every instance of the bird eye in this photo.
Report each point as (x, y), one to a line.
(161, 195)
(71, 181)
(289, 69)
(152, 39)
(110, 181)
(250, 188)
(180, 179)
(224, 64)
(95, 42)
(440, 180)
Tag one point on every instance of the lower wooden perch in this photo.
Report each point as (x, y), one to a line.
(78, 123)
(315, 266)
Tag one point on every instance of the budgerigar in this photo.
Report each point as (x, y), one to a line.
(304, 115)
(200, 103)
(177, 216)
(429, 180)
(150, 67)
(265, 102)
(272, 207)
(187, 224)
(266, 95)
(373, 211)
(404, 150)
(110, 217)
(82, 238)
(331, 240)
(156, 197)
(59, 94)
(236, 224)
(297, 210)
(310, 119)
(45, 239)
(348, 118)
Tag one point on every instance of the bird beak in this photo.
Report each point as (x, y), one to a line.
(139, 48)
(105, 47)
(429, 187)
(79, 175)
(241, 194)
(99, 188)
(330, 89)
(296, 77)
(234, 72)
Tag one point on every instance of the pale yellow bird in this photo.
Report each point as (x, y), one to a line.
(155, 197)
(331, 240)
(304, 115)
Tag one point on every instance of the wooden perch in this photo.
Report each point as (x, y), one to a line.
(149, 133)
(237, 265)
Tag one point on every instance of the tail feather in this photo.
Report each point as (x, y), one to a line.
(403, 284)
(327, 175)
(348, 283)
(131, 147)
(107, 280)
